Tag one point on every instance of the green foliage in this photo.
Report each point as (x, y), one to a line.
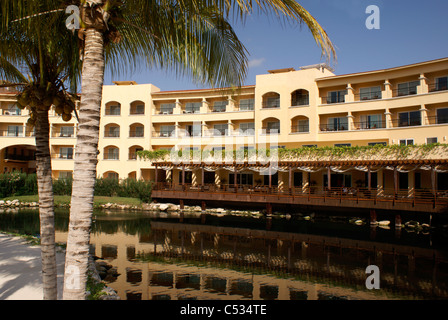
(128, 188)
(21, 184)
(62, 187)
(17, 184)
(295, 154)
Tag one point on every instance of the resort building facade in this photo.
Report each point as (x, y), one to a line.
(287, 108)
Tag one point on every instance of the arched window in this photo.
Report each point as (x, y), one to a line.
(300, 97)
(133, 152)
(137, 108)
(136, 130)
(300, 124)
(113, 108)
(271, 100)
(111, 153)
(271, 126)
(112, 130)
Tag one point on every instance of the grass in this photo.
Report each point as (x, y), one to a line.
(65, 200)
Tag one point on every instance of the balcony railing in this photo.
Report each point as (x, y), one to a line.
(268, 130)
(300, 129)
(332, 128)
(58, 134)
(333, 100)
(62, 156)
(16, 134)
(436, 86)
(366, 125)
(377, 95)
(136, 134)
(396, 197)
(163, 134)
(404, 92)
(400, 123)
(112, 135)
(303, 101)
(438, 120)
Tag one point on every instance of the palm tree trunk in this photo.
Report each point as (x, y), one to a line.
(46, 206)
(86, 159)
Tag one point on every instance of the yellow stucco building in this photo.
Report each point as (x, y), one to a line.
(286, 108)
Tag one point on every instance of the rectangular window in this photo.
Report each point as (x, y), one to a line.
(441, 83)
(220, 106)
(167, 108)
(442, 115)
(220, 129)
(337, 124)
(431, 140)
(15, 131)
(372, 144)
(193, 107)
(194, 130)
(407, 142)
(371, 93)
(336, 96)
(67, 131)
(66, 153)
(409, 119)
(14, 110)
(167, 131)
(408, 88)
(373, 121)
(342, 145)
(247, 129)
(309, 146)
(247, 104)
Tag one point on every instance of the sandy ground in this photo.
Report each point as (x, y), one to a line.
(21, 270)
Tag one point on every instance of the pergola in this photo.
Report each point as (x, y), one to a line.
(339, 166)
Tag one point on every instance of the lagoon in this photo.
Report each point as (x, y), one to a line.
(154, 256)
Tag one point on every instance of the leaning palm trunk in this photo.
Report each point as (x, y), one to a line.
(78, 242)
(46, 206)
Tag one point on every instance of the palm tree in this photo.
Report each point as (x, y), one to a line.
(39, 65)
(191, 37)
(187, 35)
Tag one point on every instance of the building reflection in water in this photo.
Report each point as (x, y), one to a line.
(186, 261)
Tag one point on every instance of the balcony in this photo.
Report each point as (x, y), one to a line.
(369, 125)
(438, 120)
(136, 134)
(437, 86)
(271, 131)
(62, 156)
(163, 134)
(300, 129)
(333, 128)
(16, 134)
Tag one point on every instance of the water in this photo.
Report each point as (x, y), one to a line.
(155, 257)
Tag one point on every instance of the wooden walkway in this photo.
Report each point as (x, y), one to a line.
(342, 198)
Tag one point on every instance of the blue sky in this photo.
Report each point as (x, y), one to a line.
(410, 31)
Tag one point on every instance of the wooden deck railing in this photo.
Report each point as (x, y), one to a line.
(412, 196)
